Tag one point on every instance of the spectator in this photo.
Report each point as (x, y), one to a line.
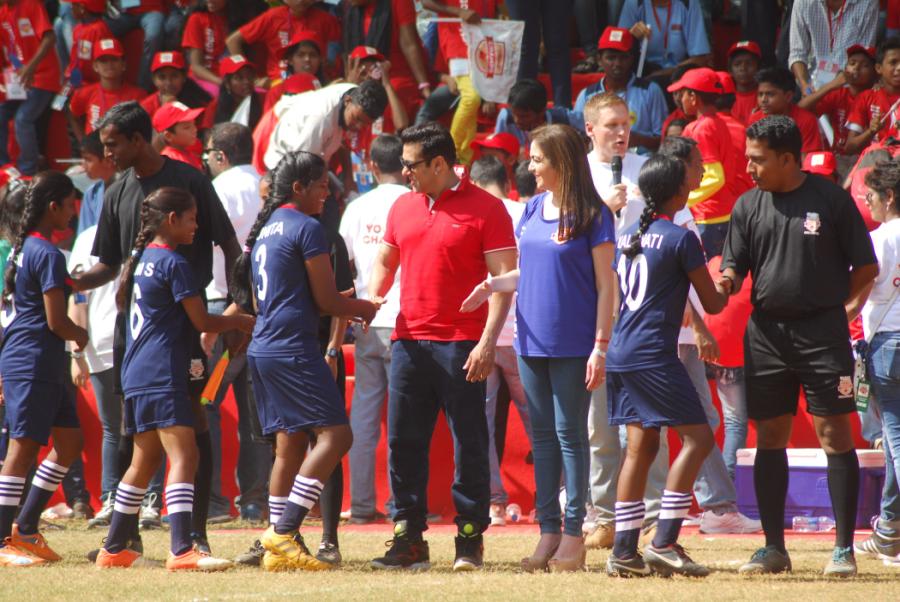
(526, 185)
(176, 124)
(767, 24)
(546, 20)
(678, 112)
(172, 83)
(528, 111)
(99, 168)
(675, 128)
(91, 28)
(725, 104)
(302, 56)
(204, 42)
(775, 95)
(238, 100)
(295, 84)
(743, 65)
(822, 164)
(149, 17)
(505, 148)
(869, 120)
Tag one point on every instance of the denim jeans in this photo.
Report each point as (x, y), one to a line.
(440, 101)
(152, 24)
(63, 26)
(173, 27)
(427, 377)
(558, 405)
(373, 366)
(505, 366)
(26, 114)
(109, 409)
(884, 373)
(733, 395)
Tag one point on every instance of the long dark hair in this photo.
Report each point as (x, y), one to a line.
(46, 187)
(565, 150)
(298, 166)
(227, 104)
(661, 178)
(154, 209)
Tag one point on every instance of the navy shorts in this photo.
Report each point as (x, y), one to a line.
(655, 397)
(151, 411)
(295, 393)
(33, 408)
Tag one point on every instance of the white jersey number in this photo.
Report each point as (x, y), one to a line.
(632, 291)
(263, 285)
(135, 318)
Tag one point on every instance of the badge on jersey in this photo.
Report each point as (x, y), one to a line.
(812, 224)
(845, 387)
(25, 28)
(196, 371)
(85, 50)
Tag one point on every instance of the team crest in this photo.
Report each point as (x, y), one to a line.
(845, 387)
(812, 224)
(490, 57)
(25, 28)
(196, 370)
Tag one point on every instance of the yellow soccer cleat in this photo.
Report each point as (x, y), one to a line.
(289, 552)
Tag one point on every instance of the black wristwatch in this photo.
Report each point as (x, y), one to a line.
(332, 353)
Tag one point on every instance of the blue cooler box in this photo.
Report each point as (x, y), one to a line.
(808, 486)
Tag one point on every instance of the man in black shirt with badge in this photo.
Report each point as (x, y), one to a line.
(804, 241)
(126, 133)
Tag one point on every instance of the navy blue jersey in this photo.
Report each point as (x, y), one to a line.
(30, 349)
(158, 335)
(287, 316)
(653, 290)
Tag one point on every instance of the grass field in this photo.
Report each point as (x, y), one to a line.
(75, 579)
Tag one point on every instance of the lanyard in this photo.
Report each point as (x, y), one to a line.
(668, 21)
(836, 25)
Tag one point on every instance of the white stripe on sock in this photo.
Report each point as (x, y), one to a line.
(179, 498)
(128, 499)
(629, 515)
(49, 475)
(276, 508)
(674, 505)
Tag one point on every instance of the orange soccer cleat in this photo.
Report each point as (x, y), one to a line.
(14, 557)
(34, 544)
(192, 560)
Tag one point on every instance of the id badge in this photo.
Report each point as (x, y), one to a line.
(60, 100)
(14, 88)
(862, 395)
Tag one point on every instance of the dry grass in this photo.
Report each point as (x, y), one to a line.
(75, 579)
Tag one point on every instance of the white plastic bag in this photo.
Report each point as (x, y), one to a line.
(495, 48)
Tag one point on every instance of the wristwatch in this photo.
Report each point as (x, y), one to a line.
(332, 353)
(77, 355)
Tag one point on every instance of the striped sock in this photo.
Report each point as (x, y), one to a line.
(46, 479)
(276, 508)
(126, 510)
(304, 495)
(11, 489)
(674, 509)
(179, 503)
(629, 518)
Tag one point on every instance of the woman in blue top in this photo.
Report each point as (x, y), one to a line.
(647, 386)
(285, 275)
(34, 366)
(566, 293)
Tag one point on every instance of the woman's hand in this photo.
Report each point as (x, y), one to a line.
(476, 298)
(79, 372)
(595, 373)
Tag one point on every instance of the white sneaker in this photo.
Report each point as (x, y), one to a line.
(149, 517)
(729, 522)
(104, 516)
(498, 515)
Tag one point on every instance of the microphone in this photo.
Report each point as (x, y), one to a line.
(616, 165)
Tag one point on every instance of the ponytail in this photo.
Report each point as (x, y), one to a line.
(660, 180)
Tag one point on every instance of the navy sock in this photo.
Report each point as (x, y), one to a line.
(675, 506)
(770, 481)
(629, 518)
(11, 489)
(843, 487)
(303, 496)
(126, 511)
(179, 501)
(202, 485)
(46, 479)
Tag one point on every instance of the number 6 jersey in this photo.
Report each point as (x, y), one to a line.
(158, 334)
(653, 288)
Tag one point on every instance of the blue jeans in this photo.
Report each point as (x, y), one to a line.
(505, 366)
(153, 24)
(733, 395)
(427, 377)
(558, 405)
(109, 409)
(62, 27)
(550, 18)
(26, 114)
(884, 373)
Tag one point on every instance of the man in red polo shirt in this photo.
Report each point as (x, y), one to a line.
(447, 235)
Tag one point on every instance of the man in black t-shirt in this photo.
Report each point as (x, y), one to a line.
(126, 133)
(806, 245)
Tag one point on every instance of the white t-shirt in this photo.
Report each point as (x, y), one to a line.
(238, 190)
(362, 228)
(101, 304)
(601, 173)
(505, 339)
(886, 240)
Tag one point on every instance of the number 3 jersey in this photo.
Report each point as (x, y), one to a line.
(287, 320)
(158, 335)
(653, 288)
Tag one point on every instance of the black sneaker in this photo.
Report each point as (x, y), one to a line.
(404, 553)
(330, 553)
(253, 556)
(201, 544)
(469, 549)
(629, 567)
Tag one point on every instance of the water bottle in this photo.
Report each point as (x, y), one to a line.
(513, 513)
(805, 524)
(825, 523)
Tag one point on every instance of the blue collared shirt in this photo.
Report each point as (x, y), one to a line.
(686, 36)
(646, 104)
(506, 124)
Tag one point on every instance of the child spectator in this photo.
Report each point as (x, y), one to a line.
(526, 184)
(303, 55)
(31, 69)
(743, 64)
(97, 166)
(176, 123)
(725, 104)
(675, 128)
(528, 111)
(238, 100)
(91, 29)
(172, 83)
(503, 147)
(149, 17)
(776, 97)
(677, 113)
(823, 164)
(868, 117)
(91, 102)
(204, 43)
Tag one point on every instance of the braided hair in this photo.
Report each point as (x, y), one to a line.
(660, 180)
(46, 187)
(154, 210)
(296, 167)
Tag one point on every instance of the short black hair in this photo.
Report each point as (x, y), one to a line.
(129, 118)
(724, 102)
(489, 170)
(884, 176)
(235, 140)
(91, 144)
(780, 133)
(526, 185)
(386, 151)
(435, 140)
(528, 94)
(891, 43)
(677, 146)
(371, 96)
(741, 51)
(780, 77)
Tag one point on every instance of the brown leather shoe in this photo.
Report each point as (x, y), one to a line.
(601, 537)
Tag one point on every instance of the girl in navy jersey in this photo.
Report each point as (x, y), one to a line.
(33, 366)
(158, 287)
(647, 386)
(286, 262)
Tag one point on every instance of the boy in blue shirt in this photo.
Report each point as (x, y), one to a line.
(528, 110)
(97, 167)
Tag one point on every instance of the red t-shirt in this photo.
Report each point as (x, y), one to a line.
(893, 14)
(863, 108)
(744, 105)
(808, 124)
(403, 12)
(84, 37)
(22, 26)
(442, 252)
(183, 156)
(738, 133)
(93, 101)
(450, 37)
(837, 105)
(276, 25)
(714, 143)
(728, 326)
(206, 32)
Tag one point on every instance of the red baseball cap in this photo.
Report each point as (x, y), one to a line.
(867, 50)
(726, 81)
(173, 112)
(94, 6)
(502, 140)
(616, 38)
(703, 79)
(306, 35)
(300, 83)
(745, 46)
(168, 58)
(366, 52)
(232, 64)
(821, 163)
(108, 47)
